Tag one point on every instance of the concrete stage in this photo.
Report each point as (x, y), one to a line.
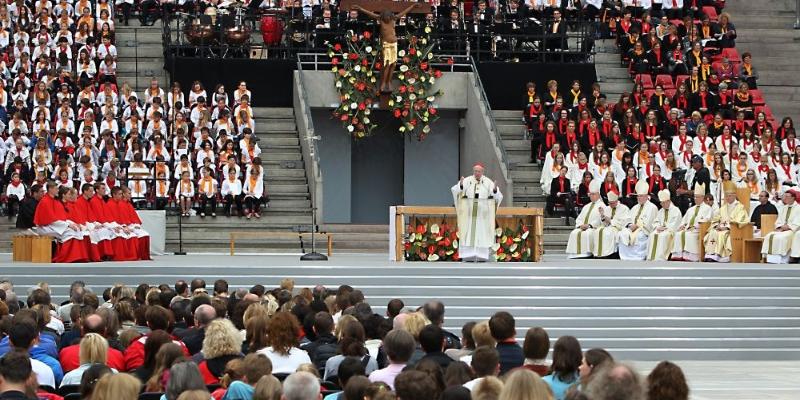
(735, 328)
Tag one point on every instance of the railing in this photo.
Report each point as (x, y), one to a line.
(196, 37)
(307, 142)
(461, 63)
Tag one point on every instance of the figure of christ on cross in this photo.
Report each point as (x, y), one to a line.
(386, 19)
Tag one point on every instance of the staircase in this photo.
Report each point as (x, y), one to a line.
(764, 28)
(140, 56)
(612, 76)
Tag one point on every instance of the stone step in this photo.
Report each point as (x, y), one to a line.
(141, 68)
(140, 37)
(295, 156)
(275, 125)
(273, 112)
(125, 53)
(507, 113)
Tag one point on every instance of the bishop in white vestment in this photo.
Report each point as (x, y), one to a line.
(686, 244)
(633, 239)
(778, 243)
(580, 243)
(718, 239)
(614, 218)
(476, 199)
(667, 221)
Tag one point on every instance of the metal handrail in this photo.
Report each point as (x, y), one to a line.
(488, 108)
(306, 111)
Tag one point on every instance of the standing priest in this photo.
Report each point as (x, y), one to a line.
(476, 199)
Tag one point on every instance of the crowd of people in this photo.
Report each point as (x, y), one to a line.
(190, 342)
(670, 154)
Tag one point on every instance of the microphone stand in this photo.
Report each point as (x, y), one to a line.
(313, 255)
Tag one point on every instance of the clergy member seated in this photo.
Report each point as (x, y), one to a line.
(580, 243)
(666, 223)
(476, 199)
(779, 243)
(764, 207)
(686, 244)
(718, 239)
(614, 218)
(633, 239)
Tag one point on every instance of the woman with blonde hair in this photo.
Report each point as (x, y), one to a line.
(117, 387)
(489, 388)
(268, 388)
(522, 384)
(93, 350)
(222, 343)
(482, 337)
(414, 324)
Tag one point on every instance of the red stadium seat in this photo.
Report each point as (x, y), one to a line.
(758, 98)
(732, 55)
(711, 12)
(680, 79)
(645, 80)
(665, 80)
(648, 93)
(670, 93)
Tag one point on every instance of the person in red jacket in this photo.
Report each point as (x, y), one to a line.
(135, 224)
(52, 219)
(126, 244)
(158, 318)
(69, 356)
(99, 212)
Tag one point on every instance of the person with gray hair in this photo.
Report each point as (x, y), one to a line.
(76, 294)
(183, 376)
(615, 381)
(301, 386)
(193, 337)
(434, 311)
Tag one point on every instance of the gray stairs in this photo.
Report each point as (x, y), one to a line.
(527, 190)
(141, 56)
(764, 28)
(675, 311)
(612, 76)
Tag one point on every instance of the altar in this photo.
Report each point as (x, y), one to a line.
(520, 228)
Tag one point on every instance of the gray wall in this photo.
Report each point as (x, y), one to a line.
(334, 160)
(431, 166)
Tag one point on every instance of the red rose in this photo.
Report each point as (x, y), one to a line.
(367, 34)
(344, 118)
(500, 251)
(353, 56)
(405, 113)
(335, 61)
(420, 229)
(337, 47)
(362, 106)
(412, 51)
(509, 241)
(410, 229)
(397, 113)
(447, 241)
(378, 66)
(431, 249)
(437, 74)
(451, 61)
(413, 122)
(364, 62)
(402, 88)
(424, 66)
(432, 111)
(355, 120)
(442, 253)
(407, 246)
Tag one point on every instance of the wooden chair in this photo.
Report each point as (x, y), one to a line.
(740, 233)
(752, 246)
(743, 195)
(42, 249)
(21, 247)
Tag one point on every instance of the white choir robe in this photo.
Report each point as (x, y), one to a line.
(778, 245)
(633, 244)
(659, 246)
(580, 241)
(605, 237)
(686, 244)
(476, 205)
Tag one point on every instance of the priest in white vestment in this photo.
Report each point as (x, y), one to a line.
(686, 244)
(666, 223)
(633, 239)
(580, 242)
(717, 242)
(778, 243)
(614, 218)
(476, 199)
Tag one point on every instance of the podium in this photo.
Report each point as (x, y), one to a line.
(505, 217)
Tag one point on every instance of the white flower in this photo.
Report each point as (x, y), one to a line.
(411, 81)
(422, 78)
(434, 229)
(367, 111)
(525, 235)
(353, 105)
(412, 97)
(424, 41)
(399, 99)
(455, 242)
(350, 128)
(403, 68)
(498, 232)
(431, 80)
(427, 30)
(391, 103)
(431, 98)
(426, 128)
(334, 69)
(402, 129)
(338, 84)
(430, 56)
(344, 56)
(433, 257)
(368, 49)
(366, 120)
(401, 53)
(357, 68)
(495, 247)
